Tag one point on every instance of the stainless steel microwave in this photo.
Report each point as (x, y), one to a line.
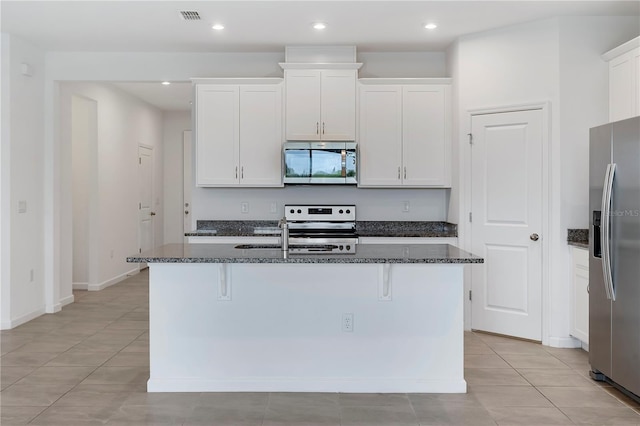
(320, 162)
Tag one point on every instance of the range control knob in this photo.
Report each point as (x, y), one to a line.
(341, 247)
(292, 211)
(341, 211)
(348, 211)
(299, 211)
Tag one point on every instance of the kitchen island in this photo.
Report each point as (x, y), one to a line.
(388, 318)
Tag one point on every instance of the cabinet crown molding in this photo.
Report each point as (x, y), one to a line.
(622, 49)
(402, 80)
(240, 80)
(320, 66)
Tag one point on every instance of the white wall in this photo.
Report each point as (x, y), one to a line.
(402, 64)
(123, 123)
(174, 124)
(555, 60)
(22, 182)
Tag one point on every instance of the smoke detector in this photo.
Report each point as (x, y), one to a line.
(190, 15)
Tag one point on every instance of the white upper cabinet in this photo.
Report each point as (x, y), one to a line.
(404, 135)
(238, 135)
(624, 80)
(320, 104)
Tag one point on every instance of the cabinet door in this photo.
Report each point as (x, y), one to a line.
(380, 137)
(580, 281)
(217, 139)
(302, 105)
(261, 135)
(426, 136)
(338, 105)
(624, 73)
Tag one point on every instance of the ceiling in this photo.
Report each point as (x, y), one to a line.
(268, 26)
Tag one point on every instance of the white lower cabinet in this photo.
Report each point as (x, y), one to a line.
(239, 135)
(409, 240)
(234, 240)
(580, 294)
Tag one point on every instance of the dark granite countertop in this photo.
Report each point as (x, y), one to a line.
(365, 253)
(254, 228)
(578, 237)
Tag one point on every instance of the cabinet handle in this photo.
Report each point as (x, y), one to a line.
(398, 172)
(323, 127)
(236, 172)
(317, 127)
(242, 172)
(405, 172)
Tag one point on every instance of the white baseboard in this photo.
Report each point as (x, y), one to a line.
(67, 300)
(112, 281)
(7, 325)
(564, 342)
(80, 286)
(52, 309)
(306, 384)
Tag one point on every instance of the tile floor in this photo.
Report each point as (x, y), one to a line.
(89, 363)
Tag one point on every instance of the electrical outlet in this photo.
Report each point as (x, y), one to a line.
(405, 206)
(347, 322)
(244, 207)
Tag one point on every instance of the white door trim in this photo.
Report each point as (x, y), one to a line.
(153, 230)
(464, 230)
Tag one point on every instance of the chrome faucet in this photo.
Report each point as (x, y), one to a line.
(284, 226)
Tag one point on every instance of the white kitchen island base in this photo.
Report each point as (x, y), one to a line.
(280, 327)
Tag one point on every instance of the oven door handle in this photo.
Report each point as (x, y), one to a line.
(344, 163)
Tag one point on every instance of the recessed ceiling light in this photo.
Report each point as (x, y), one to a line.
(217, 27)
(166, 83)
(430, 26)
(319, 25)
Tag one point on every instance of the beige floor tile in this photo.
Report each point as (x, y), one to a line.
(137, 345)
(604, 416)
(518, 347)
(494, 376)
(77, 358)
(10, 375)
(25, 359)
(225, 416)
(89, 398)
(509, 396)
(301, 414)
(377, 415)
(118, 375)
(32, 395)
(454, 416)
(373, 400)
(591, 396)
(234, 399)
(620, 396)
(56, 376)
(10, 416)
(129, 359)
(190, 399)
(70, 416)
(453, 400)
(533, 361)
(529, 416)
(137, 415)
(554, 377)
(304, 398)
(484, 361)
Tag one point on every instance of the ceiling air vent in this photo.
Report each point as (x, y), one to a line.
(190, 15)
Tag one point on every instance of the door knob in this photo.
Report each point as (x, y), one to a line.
(186, 212)
(534, 237)
(153, 213)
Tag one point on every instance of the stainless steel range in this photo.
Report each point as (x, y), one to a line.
(321, 228)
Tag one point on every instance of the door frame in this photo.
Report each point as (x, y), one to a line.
(144, 265)
(464, 227)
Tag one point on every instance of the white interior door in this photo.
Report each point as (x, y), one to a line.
(146, 213)
(187, 181)
(506, 175)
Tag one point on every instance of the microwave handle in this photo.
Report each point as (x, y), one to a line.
(344, 162)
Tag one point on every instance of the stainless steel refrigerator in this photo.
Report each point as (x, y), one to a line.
(614, 243)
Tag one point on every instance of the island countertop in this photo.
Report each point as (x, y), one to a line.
(365, 253)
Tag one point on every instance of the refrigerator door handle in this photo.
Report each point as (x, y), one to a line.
(607, 194)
